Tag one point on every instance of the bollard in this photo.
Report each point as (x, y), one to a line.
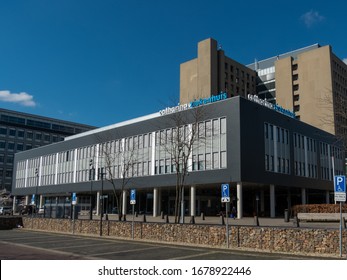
(124, 218)
(286, 215)
(202, 216)
(256, 221)
(296, 221)
(192, 220)
(162, 214)
(144, 218)
(167, 219)
(222, 220)
(136, 214)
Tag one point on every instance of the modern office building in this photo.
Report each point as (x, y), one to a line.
(213, 72)
(311, 81)
(22, 132)
(270, 160)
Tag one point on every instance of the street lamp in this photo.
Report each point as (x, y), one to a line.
(101, 173)
(91, 178)
(35, 195)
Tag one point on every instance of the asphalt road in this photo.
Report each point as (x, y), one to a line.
(21, 244)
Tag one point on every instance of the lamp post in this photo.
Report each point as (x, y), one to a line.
(91, 178)
(101, 173)
(35, 195)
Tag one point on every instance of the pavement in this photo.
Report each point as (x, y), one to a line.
(213, 220)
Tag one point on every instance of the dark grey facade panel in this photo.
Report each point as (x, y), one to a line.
(252, 119)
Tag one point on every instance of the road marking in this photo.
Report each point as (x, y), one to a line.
(193, 256)
(126, 251)
(82, 245)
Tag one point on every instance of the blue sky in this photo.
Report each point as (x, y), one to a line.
(99, 62)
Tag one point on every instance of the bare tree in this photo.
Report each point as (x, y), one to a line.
(119, 159)
(178, 143)
(334, 114)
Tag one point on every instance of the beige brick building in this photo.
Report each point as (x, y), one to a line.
(212, 72)
(311, 81)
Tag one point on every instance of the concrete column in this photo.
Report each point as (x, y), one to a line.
(192, 200)
(272, 201)
(14, 204)
(98, 203)
(239, 200)
(327, 197)
(26, 200)
(155, 202)
(303, 196)
(124, 203)
(41, 201)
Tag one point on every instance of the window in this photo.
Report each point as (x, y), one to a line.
(38, 136)
(215, 160)
(200, 162)
(10, 146)
(20, 146)
(271, 132)
(3, 131)
(12, 132)
(223, 126)
(208, 161)
(266, 128)
(267, 162)
(223, 159)
(215, 127)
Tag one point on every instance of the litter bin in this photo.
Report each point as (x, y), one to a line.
(286, 215)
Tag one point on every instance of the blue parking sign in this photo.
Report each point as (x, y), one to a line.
(74, 199)
(225, 193)
(33, 199)
(133, 196)
(340, 183)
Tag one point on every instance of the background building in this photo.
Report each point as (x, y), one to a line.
(21, 132)
(213, 72)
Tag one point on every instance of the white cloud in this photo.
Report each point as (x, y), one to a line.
(345, 60)
(21, 98)
(312, 17)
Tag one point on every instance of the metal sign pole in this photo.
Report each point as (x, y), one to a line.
(132, 202)
(340, 229)
(225, 192)
(73, 218)
(227, 224)
(340, 196)
(132, 225)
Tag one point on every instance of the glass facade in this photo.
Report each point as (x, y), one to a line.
(277, 149)
(135, 156)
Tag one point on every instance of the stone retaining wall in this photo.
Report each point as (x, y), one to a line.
(319, 208)
(270, 239)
